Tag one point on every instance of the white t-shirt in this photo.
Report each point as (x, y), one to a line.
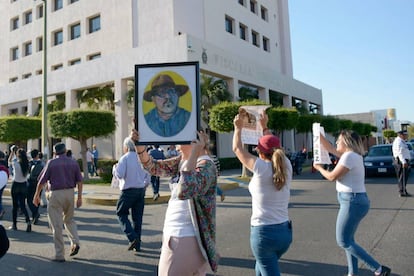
(177, 221)
(269, 206)
(354, 180)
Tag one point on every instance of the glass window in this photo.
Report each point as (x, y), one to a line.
(229, 24)
(75, 61)
(263, 13)
(28, 17)
(243, 32)
(266, 44)
(39, 44)
(57, 5)
(14, 23)
(253, 6)
(40, 11)
(255, 38)
(94, 24)
(28, 48)
(14, 79)
(57, 66)
(75, 31)
(26, 76)
(58, 37)
(73, 1)
(241, 2)
(14, 53)
(94, 56)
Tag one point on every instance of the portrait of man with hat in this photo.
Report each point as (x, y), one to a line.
(167, 118)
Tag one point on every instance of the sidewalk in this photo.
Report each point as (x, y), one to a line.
(105, 195)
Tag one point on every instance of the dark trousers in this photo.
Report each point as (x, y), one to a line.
(155, 182)
(4, 241)
(31, 190)
(402, 175)
(134, 200)
(19, 194)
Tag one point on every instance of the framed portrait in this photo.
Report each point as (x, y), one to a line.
(167, 109)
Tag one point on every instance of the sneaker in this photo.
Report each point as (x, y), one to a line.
(385, 271)
(156, 196)
(74, 250)
(133, 244)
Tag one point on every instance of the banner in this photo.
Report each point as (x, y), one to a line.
(320, 154)
(252, 130)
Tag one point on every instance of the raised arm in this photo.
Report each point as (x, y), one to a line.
(245, 157)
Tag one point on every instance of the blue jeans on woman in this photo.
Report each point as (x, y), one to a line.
(353, 208)
(268, 244)
(133, 199)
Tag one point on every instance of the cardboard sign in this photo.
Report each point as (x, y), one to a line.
(320, 154)
(252, 130)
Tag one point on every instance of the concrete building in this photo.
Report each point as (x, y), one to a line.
(92, 43)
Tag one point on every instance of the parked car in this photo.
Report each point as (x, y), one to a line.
(379, 161)
(411, 149)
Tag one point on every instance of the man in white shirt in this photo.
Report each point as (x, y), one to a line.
(401, 161)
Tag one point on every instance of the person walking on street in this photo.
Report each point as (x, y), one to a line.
(157, 154)
(35, 168)
(4, 177)
(401, 156)
(133, 180)
(19, 187)
(189, 232)
(271, 229)
(62, 175)
(354, 203)
(89, 161)
(95, 154)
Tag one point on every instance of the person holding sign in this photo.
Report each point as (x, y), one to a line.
(354, 203)
(271, 229)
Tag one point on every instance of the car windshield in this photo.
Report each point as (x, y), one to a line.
(380, 151)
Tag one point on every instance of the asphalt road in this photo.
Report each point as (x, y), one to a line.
(387, 232)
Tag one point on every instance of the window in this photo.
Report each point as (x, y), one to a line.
(39, 44)
(255, 38)
(243, 31)
(28, 17)
(26, 76)
(57, 67)
(75, 31)
(241, 2)
(74, 61)
(253, 6)
(94, 24)
(229, 22)
(14, 53)
(73, 1)
(13, 111)
(27, 48)
(266, 44)
(57, 37)
(14, 79)
(57, 5)
(264, 13)
(94, 56)
(39, 72)
(39, 11)
(14, 24)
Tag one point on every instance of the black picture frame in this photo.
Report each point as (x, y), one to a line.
(160, 87)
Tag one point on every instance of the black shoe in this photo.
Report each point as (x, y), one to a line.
(407, 194)
(58, 260)
(74, 250)
(29, 227)
(402, 194)
(13, 227)
(133, 244)
(156, 196)
(385, 271)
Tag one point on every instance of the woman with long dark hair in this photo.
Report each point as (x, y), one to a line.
(19, 187)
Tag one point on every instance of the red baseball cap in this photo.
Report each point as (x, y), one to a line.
(268, 143)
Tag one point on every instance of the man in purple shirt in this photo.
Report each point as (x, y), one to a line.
(62, 175)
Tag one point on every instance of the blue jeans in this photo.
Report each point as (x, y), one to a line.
(268, 244)
(1, 198)
(155, 182)
(133, 199)
(353, 208)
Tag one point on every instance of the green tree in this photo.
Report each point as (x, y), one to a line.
(98, 97)
(19, 129)
(81, 125)
(389, 134)
(330, 124)
(247, 93)
(281, 118)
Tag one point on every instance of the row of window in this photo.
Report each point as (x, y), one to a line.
(74, 32)
(264, 13)
(27, 16)
(244, 33)
(58, 66)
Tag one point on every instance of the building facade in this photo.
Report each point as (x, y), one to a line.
(91, 43)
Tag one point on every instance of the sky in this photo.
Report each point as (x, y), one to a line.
(360, 53)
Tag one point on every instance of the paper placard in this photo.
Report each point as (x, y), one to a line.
(252, 130)
(320, 154)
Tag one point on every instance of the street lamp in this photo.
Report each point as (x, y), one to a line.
(45, 144)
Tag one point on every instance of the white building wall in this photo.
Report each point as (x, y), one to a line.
(147, 31)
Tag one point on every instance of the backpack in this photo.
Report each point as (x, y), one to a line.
(36, 168)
